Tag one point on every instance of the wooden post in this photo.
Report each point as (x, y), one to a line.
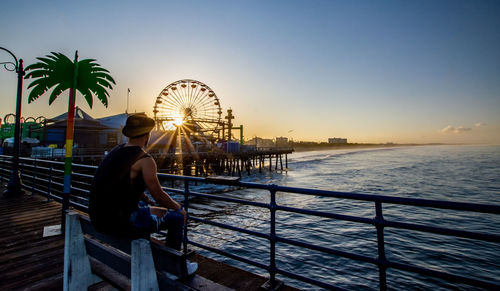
(286, 161)
(270, 163)
(143, 272)
(276, 166)
(77, 272)
(281, 161)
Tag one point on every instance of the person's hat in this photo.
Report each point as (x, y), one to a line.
(137, 125)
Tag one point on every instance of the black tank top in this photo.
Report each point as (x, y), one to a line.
(113, 196)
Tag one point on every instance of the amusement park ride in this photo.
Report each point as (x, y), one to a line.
(190, 108)
(28, 126)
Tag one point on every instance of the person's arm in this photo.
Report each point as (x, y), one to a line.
(148, 169)
(146, 199)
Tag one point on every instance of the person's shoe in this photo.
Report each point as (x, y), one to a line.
(191, 267)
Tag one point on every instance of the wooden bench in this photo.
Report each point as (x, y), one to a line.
(92, 259)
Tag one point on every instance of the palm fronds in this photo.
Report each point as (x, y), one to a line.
(58, 70)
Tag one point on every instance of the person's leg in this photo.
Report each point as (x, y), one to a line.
(174, 222)
(157, 211)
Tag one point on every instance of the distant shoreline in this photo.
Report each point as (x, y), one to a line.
(324, 147)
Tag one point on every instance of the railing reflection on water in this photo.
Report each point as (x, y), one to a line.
(46, 178)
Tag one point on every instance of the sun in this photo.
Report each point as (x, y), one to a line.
(178, 121)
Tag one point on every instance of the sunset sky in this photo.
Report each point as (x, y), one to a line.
(368, 71)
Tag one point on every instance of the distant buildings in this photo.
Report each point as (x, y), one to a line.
(261, 142)
(281, 142)
(337, 140)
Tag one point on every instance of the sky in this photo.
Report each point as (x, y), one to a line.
(368, 71)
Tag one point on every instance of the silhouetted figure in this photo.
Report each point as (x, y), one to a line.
(118, 204)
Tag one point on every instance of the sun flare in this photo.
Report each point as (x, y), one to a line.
(178, 121)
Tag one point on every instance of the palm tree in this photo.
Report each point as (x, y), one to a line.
(86, 76)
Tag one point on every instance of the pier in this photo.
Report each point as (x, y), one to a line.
(199, 164)
(232, 164)
(21, 230)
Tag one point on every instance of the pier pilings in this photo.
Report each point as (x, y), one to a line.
(221, 163)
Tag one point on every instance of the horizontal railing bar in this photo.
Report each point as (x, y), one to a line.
(444, 275)
(55, 197)
(227, 199)
(229, 255)
(326, 214)
(58, 171)
(81, 183)
(83, 175)
(80, 190)
(184, 178)
(443, 231)
(230, 227)
(178, 191)
(327, 250)
(55, 162)
(483, 208)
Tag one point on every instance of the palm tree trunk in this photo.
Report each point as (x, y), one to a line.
(69, 145)
(69, 154)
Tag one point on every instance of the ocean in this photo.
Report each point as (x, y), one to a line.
(461, 173)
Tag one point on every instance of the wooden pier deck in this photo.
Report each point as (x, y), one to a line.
(28, 261)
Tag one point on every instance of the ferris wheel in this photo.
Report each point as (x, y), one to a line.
(188, 104)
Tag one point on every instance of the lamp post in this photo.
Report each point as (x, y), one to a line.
(14, 185)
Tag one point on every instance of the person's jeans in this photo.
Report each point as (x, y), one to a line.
(173, 221)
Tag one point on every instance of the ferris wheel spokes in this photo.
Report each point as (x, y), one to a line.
(190, 102)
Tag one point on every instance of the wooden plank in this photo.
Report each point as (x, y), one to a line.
(110, 275)
(27, 219)
(15, 247)
(115, 259)
(121, 243)
(29, 261)
(26, 229)
(29, 277)
(52, 283)
(31, 251)
(199, 283)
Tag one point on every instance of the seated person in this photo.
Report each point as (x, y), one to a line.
(117, 202)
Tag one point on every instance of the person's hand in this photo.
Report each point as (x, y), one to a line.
(185, 215)
(183, 212)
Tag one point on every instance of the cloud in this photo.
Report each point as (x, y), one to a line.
(479, 124)
(456, 130)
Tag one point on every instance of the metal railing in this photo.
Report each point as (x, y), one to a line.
(45, 178)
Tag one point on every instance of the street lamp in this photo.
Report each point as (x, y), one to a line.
(14, 185)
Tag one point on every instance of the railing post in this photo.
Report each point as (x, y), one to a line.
(186, 205)
(272, 240)
(379, 219)
(22, 168)
(34, 178)
(49, 186)
(1, 168)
